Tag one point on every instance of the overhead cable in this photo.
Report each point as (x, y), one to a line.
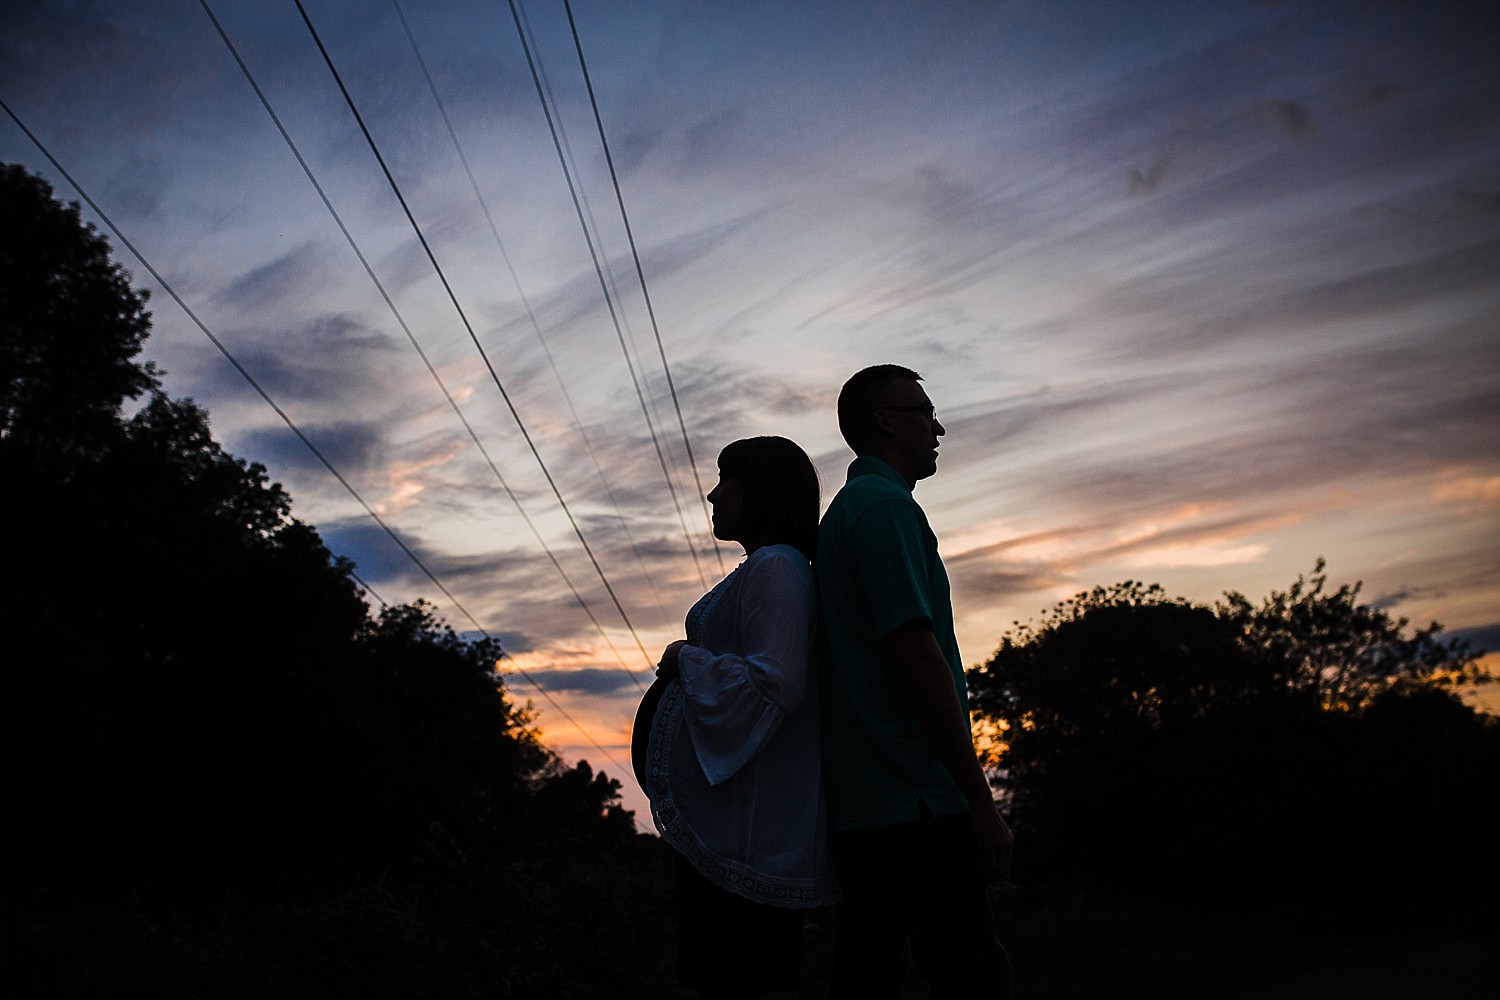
(591, 227)
(469, 327)
(640, 272)
(285, 417)
(412, 338)
(526, 305)
(365, 586)
(604, 287)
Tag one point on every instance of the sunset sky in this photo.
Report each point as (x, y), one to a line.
(1202, 291)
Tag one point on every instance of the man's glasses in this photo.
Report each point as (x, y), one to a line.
(927, 408)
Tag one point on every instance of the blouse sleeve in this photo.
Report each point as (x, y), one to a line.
(736, 700)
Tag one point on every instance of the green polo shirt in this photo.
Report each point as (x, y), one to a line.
(878, 568)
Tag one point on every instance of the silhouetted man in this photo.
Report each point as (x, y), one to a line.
(916, 830)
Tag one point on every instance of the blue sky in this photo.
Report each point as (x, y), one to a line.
(1202, 291)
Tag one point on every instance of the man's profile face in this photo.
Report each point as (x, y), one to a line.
(911, 427)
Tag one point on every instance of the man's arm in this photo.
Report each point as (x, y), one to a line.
(925, 683)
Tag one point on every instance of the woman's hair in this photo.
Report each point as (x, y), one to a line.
(780, 489)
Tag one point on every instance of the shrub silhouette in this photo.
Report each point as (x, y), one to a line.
(1281, 755)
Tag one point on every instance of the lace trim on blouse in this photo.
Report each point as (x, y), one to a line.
(698, 614)
(731, 875)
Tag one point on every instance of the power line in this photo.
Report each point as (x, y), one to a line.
(592, 231)
(604, 287)
(590, 225)
(639, 271)
(494, 375)
(366, 587)
(285, 417)
(411, 337)
(526, 304)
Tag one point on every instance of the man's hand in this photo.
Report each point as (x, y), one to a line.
(666, 667)
(995, 840)
(925, 683)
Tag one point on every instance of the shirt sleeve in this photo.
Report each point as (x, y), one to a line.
(736, 700)
(888, 556)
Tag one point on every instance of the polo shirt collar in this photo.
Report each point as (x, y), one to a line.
(869, 465)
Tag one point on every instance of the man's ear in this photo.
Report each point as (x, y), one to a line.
(880, 426)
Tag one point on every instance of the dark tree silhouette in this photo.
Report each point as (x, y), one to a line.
(225, 777)
(70, 324)
(196, 693)
(1238, 753)
(1341, 652)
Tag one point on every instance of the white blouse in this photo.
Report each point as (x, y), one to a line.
(734, 771)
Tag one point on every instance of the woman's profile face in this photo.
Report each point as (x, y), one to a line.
(729, 510)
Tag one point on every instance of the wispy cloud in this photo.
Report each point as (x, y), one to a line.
(586, 681)
(288, 277)
(1200, 296)
(352, 447)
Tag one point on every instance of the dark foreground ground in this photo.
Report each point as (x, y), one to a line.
(372, 946)
(1465, 969)
(1134, 952)
(1460, 969)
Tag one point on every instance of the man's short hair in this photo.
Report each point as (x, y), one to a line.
(859, 398)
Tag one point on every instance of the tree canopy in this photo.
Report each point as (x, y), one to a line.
(1148, 741)
(70, 324)
(1343, 653)
(203, 706)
